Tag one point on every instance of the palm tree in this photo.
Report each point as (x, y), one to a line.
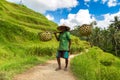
(116, 23)
(115, 28)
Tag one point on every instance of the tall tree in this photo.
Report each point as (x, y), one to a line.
(116, 23)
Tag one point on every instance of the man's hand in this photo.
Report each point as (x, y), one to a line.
(55, 33)
(69, 50)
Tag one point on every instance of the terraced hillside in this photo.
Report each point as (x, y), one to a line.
(20, 47)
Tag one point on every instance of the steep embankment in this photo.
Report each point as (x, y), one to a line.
(96, 65)
(19, 42)
(20, 47)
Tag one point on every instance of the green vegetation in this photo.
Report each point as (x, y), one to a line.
(96, 65)
(106, 39)
(20, 47)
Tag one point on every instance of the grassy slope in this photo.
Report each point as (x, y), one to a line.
(20, 47)
(96, 65)
(19, 27)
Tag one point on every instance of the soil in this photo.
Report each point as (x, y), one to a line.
(47, 72)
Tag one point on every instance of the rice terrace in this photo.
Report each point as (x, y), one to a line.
(59, 40)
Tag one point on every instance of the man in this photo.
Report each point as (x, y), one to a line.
(64, 45)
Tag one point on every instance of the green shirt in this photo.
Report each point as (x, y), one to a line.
(64, 39)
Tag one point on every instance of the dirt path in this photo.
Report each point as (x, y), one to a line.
(46, 72)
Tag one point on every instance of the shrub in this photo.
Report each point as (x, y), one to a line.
(96, 65)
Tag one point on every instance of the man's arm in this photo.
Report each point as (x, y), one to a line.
(56, 36)
(69, 44)
(69, 39)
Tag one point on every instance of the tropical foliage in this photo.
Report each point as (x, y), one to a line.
(96, 65)
(20, 46)
(107, 39)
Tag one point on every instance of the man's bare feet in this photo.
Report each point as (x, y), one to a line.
(65, 69)
(57, 69)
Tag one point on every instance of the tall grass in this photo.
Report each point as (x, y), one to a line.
(96, 65)
(20, 47)
(16, 58)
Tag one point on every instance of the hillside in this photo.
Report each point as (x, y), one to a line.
(19, 24)
(21, 21)
(95, 64)
(20, 47)
(19, 27)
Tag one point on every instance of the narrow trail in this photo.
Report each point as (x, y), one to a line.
(47, 72)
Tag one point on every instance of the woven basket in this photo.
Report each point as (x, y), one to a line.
(45, 36)
(85, 30)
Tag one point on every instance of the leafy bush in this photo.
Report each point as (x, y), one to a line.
(96, 65)
(106, 39)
